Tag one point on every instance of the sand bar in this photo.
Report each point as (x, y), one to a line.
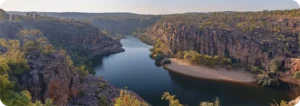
(199, 71)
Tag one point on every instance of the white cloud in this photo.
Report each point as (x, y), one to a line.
(1, 1)
(298, 1)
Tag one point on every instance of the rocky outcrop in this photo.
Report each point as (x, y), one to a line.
(94, 91)
(50, 77)
(105, 46)
(256, 47)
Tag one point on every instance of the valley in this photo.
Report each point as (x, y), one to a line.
(241, 58)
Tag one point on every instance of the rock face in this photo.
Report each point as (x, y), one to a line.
(64, 33)
(256, 47)
(105, 45)
(95, 92)
(50, 78)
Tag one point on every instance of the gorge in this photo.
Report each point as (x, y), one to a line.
(72, 59)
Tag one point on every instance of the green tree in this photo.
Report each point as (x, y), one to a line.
(3, 66)
(82, 71)
(274, 66)
(30, 46)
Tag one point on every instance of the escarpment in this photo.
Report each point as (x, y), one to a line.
(47, 44)
(248, 47)
(260, 39)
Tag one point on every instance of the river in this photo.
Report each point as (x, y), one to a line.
(135, 70)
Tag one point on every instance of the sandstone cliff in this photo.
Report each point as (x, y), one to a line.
(50, 78)
(249, 38)
(256, 47)
(50, 75)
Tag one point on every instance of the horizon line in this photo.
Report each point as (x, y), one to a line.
(143, 13)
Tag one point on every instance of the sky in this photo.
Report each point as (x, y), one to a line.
(146, 6)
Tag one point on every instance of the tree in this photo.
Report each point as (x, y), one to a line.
(48, 49)
(3, 66)
(274, 66)
(29, 46)
(82, 71)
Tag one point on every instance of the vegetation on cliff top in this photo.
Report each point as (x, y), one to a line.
(75, 37)
(127, 99)
(233, 20)
(195, 58)
(12, 65)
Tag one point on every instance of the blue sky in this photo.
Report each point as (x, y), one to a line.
(146, 6)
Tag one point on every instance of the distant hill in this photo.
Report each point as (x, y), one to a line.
(122, 23)
(73, 15)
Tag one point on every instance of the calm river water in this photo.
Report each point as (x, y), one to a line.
(135, 70)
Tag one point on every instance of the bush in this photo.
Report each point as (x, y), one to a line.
(196, 58)
(30, 46)
(171, 99)
(82, 71)
(103, 101)
(297, 75)
(126, 99)
(274, 66)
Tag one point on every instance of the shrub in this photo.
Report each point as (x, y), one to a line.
(69, 61)
(179, 55)
(82, 71)
(195, 58)
(297, 75)
(48, 49)
(216, 103)
(30, 46)
(274, 66)
(171, 99)
(126, 99)
(103, 101)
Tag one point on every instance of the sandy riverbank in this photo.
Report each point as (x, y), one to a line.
(182, 67)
